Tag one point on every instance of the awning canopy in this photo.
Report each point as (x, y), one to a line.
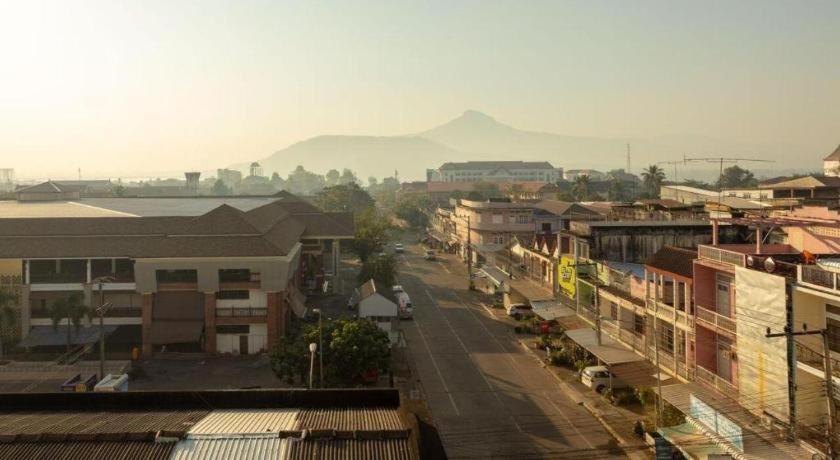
(551, 309)
(690, 441)
(640, 373)
(530, 290)
(175, 331)
(609, 352)
(48, 336)
(297, 300)
(495, 275)
(728, 424)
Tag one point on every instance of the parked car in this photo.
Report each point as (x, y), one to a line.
(406, 310)
(397, 289)
(398, 248)
(519, 310)
(598, 378)
(429, 255)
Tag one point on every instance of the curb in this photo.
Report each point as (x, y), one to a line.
(578, 399)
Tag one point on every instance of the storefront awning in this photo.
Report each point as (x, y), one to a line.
(48, 336)
(609, 351)
(495, 275)
(731, 426)
(551, 309)
(640, 373)
(297, 300)
(175, 331)
(691, 442)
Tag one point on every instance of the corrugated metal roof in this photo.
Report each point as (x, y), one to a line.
(350, 419)
(243, 421)
(334, 449)
(233, 448)
(87, 450)
(15, 423)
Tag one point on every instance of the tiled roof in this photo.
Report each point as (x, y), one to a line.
(496, 164)
(672, 259)
(833, 156)
(44, 187)
(271, 229)
(565, 208)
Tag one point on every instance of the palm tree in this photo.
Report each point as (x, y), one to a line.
(580, 189)
(73, 309)
(7, 315)
(652, 178)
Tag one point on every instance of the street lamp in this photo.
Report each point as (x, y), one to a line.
(100, 311)
(320, 348)
(313, 347)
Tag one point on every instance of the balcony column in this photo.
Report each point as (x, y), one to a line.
(26, 264)
(272, 305)
(89, 301)
(25, 310)
(210, 322)
(87, 270)
(714, 232)
(147, 302)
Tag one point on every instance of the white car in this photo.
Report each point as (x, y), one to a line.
(598, 378)
(406, 310)
(519, 310)
(398, 248)
(397, 289)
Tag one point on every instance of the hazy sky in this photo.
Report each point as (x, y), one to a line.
(134, 87)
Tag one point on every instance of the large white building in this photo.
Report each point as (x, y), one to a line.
(493, 171)
(831, 163)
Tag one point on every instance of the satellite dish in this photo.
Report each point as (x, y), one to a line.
(750, 261)
(769, 265)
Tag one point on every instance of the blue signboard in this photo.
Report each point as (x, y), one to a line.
(716, 422)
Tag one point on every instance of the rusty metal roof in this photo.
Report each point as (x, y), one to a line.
(87, 450)
(340, 449)
(43, 422)
(351, 419)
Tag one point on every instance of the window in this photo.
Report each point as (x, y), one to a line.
(232, 329)
(546, 226)
(523, 219)
(833, 327)
(638, 324)
(498, 219)
(176, 276)
(237, 275)
(613, 311)
(233, 295)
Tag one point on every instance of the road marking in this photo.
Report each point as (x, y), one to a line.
(568, 420)
(470, 357)
(437, 369)
(444, 267)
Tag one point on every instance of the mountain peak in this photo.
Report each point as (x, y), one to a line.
(477, 116)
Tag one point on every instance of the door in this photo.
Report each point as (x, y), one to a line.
(724, 362)
(723, 297)
(243, 344)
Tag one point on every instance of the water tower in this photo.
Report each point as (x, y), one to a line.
(256, 169)
(192, 182)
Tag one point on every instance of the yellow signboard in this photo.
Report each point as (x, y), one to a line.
(567, 279)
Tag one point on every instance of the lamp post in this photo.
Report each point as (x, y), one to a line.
(313, 347)
(320, 348)
(100, 311)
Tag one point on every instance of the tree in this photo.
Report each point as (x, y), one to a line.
(695, 183)
(119, 191)
(580, 189)
(652, 178)
(371, 233)
(348, 177)
(617, 190)
(412, 209)
(303, 182)
(351, 347)
(73, 309)
(277, 182)
(736, 177)
(220, 189)
(356, 347)
(332, 177)
(381, 269)
(372, 182)
(348, 197)
(515, 191)
(8, 318)
(486, 190)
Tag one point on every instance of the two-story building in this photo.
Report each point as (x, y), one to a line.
(226, 280)
(484, 171)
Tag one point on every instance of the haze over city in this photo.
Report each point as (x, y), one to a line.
(151, 89)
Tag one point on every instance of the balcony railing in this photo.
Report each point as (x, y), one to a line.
(50, 278)
(721, 255)
(815, 358)
(241, 312)
(715, 381)
(813, 274)
(716, 320)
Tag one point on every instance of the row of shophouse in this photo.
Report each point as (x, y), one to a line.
(696, 309)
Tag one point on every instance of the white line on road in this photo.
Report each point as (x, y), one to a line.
(437, 369)
(444, 267)
(568, 420)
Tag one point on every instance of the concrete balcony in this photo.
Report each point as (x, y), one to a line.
(241, 312)
(817, 277)
(712, 320)
(715, 381)
(670, 314)
(721, 255)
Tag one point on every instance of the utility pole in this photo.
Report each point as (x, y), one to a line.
(597, 310)
(789, 335)
(628, 160)
(656, 355)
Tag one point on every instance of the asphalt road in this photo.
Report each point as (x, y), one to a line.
(489, 397)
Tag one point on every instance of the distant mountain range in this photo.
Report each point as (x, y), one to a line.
(477, 136)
